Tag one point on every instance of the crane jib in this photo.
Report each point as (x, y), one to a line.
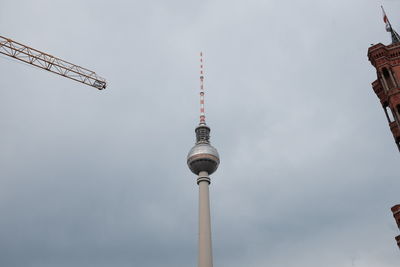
(50, 63)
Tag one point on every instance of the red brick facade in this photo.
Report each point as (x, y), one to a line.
(396, 215)
(386, 60)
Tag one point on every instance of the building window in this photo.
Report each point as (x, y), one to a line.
(398, 146)
(389, 80)
(389, 113)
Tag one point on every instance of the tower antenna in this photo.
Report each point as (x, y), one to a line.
(202, 112)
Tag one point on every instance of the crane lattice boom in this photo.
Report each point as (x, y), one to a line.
(45, 61)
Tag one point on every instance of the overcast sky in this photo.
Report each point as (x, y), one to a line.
(309, 169)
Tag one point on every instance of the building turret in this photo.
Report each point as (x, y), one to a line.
(386, 61)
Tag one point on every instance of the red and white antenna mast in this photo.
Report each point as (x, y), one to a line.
(203, 160)
(202, 113)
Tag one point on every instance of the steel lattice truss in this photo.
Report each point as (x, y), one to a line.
(47, 62)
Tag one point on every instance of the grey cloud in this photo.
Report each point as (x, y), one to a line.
(308, 166)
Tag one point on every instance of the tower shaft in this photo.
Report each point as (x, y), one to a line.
(205, 247)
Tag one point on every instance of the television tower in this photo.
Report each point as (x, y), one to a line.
(203, 160)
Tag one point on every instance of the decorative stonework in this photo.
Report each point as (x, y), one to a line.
(386, 60)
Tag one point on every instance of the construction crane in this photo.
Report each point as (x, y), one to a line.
(50, 63)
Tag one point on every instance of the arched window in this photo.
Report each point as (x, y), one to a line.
(389, 113)
(387, 75)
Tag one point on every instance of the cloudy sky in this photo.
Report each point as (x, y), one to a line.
(309, 169)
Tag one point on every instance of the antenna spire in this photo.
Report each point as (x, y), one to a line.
(202, 113)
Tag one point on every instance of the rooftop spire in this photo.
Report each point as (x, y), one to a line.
(202, 113)
(389, 28)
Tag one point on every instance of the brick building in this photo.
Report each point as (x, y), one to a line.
(386, 60)
(396, 215)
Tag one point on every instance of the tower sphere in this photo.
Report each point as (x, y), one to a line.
(203, 157)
